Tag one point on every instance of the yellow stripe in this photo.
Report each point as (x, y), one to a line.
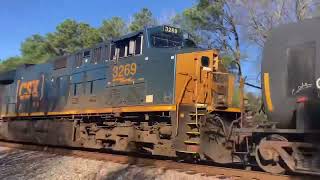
(101, 110)
(230, 89)
(236, 110)
(267, 93)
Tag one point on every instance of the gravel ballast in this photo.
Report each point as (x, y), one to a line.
(22, 164)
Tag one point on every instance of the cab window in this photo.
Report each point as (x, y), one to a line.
(162, 40)
(166, 38)
(205, 61)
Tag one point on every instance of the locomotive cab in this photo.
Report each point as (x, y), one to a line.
(165, 37)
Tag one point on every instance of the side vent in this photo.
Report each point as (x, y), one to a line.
(96, 55)
(60, 63)
(78, 60)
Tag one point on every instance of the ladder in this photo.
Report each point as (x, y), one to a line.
(193, 129)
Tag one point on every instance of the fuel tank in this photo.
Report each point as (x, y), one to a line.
(290, 74)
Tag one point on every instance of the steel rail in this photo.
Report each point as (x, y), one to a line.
(205, 170)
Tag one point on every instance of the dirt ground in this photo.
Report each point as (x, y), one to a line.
(21, 164)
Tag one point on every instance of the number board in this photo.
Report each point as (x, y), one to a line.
(169, 29)
(124, 73)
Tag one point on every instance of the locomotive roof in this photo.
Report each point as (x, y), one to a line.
(127, 36)
(6, 74)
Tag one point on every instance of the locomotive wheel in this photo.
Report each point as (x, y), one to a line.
(269, 159)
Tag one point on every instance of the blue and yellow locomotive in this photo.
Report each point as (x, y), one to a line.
(152, 91)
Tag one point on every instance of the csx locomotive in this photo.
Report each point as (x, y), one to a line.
(152, 91)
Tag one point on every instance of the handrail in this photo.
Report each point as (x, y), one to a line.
(180, 99)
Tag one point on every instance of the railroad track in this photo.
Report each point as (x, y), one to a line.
(214, 172)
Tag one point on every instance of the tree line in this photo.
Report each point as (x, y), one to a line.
(71, 36)
(221, 24)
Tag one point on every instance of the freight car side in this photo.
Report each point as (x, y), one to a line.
(290, 70)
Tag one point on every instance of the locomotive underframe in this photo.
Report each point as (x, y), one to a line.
(126, 132)
(155, 133)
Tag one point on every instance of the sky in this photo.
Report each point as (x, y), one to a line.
(20, 18)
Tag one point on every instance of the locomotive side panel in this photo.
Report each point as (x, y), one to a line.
(160, 74)
(125, 82)
(31, 89)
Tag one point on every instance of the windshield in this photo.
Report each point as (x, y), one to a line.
(165, 40)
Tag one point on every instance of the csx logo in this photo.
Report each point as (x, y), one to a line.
(28, 89)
